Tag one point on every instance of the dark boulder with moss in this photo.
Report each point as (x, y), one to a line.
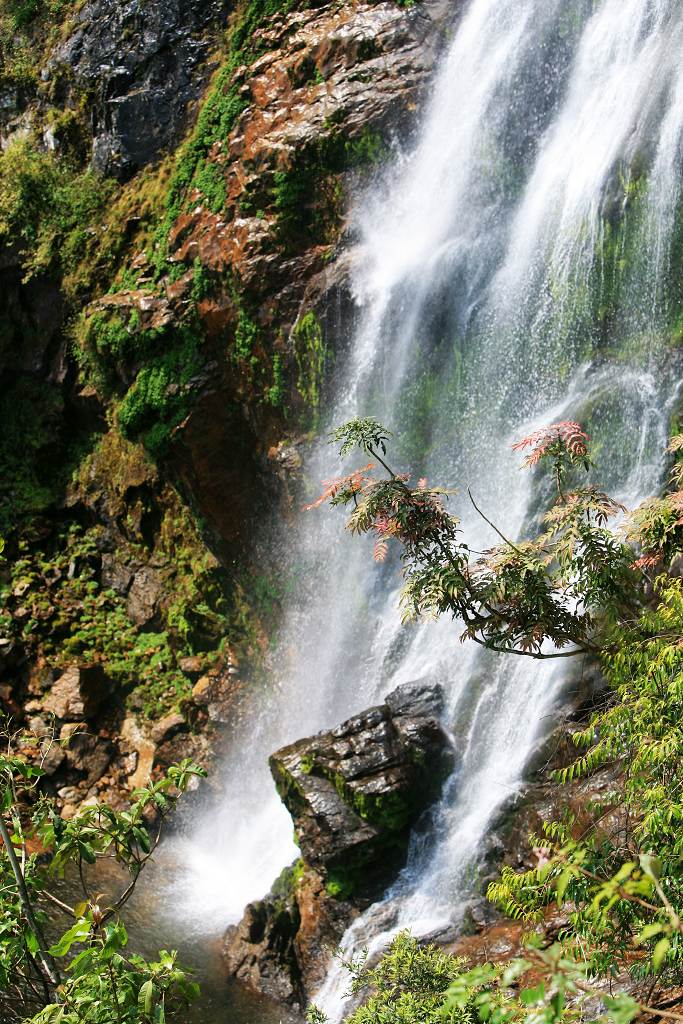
(354, 793)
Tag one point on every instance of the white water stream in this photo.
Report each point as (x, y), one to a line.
(486, 305)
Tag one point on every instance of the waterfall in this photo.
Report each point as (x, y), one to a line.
(512, 269)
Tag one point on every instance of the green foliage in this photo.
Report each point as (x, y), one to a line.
(67, 615)
(247, 335)
(367, 434)
(618, 906)
(47, 208)
(643, 728)
(408, 985)
(561, 587)
(29, 411)
(23, 24)
(276, 392)
(22, 12)
(563, 994)
(87, 976)
(307, 195)
(657, 525)
(201, 281)
(285, 885)
(164, 363)
(341, 883)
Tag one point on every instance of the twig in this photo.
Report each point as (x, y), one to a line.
(58, 903)
(537, 655)
(493, 526)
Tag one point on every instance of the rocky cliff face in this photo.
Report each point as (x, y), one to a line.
(143, 67)
(354, 794)
(173, 240)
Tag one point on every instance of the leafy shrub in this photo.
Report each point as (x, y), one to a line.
(408, 985)
(87, 976)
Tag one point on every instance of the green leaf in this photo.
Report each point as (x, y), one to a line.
(142, 836)
(146, 996)
(624, 872)
(78, 933)
(659, 952)
(649, 931)
(621, 1009)
(529, 996)
(562, 883)
(51, 1014)
(87, 852)
(514, 971)
(652, 866)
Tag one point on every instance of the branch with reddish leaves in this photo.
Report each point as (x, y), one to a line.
(550, 597)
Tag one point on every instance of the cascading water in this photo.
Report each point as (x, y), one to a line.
(512, 270)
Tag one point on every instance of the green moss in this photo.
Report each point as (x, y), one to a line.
(276, 392)
(73, 618)
(37, 456)
(29, 412)
(309, 355)
(48, 208)
(287, 882)
(288, 788)
(390, 811)
(247, 335)
(24, 27)
(23, 12)
(65, 613)
(307, 196)
(201, 281)
(163, 361)
(341, 884)
(162, 395)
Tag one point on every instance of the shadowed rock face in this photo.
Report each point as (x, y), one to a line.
(354, 794)
(143, 63)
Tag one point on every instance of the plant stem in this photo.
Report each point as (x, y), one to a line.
(47, 966)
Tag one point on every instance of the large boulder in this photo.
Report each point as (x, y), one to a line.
(354, 794)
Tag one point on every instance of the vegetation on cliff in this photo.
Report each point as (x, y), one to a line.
(118, 321)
